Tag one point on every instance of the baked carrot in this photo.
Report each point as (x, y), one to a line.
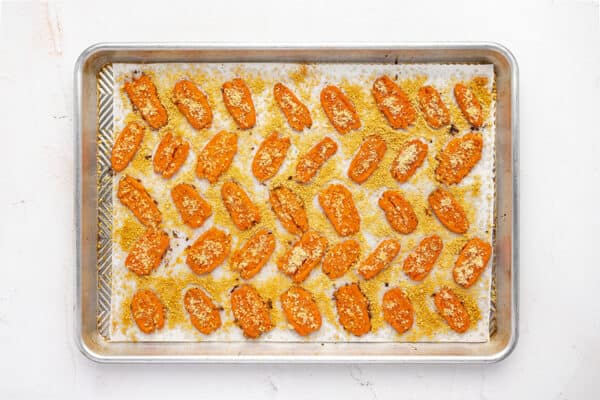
(171, 153)
(353, 309)
(289, 208)
(134, 196)
(398, 211)
(147, 310)
(192, 103)
(204, 314)
(471, 261)
(254, 254)
(340, 258)
(458, 158)
(295, 111)
(393, 103)
(310, 163)
(208, 251)
(270, 156)
(469, 104)
(433, 108)
(398, 311)
(339, 208)
(126, 145)
(339, 109)
(144, 97)
(241, 209)
(452, 310)
(238, 100)
(303, 257)
(147, 252)
(367, 158)
(301, 310)
(380, 258)
(448, 210)
(194, 210)
(252, 314)
(216, 157)
(409, 158)
(418, 263)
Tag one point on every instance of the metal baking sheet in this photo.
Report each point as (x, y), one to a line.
(94, 65)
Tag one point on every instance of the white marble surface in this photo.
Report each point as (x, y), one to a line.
(557, 44)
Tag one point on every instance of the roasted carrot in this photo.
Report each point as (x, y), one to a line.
(433, 108)
(252, 314)
(301, 310)
(238, 100)
(147, 252)
(216, 157)
(289, 208)
(339, 109)
(144, 97)
(126, 145)
(310, 163)
(367, 158)
(295, 111)
(398, 211)
(243, 212)
(339, 208)
(393, 103)
(469, 104)
(147, 310)
(204, 314)
(208, 251)
(192, 103)
(269, 156)
(194, 210)
(398, 311)
(458, 158)
(452, 310)
(340, 258)
(448, 210)
(303, 257)
(409, 158)
(418, 263)
(380, 258)
(471, 261)
(353, 309)
(254, 254)
(171, 153)
(134, 196)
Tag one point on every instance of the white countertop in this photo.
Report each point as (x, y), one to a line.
(557, 45)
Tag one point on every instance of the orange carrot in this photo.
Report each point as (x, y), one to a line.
(294, 110)
(418, 263)
(194, 210)
(448, 210)
(126, 145)
(289, 208)
(147, 310)
(458, 158)
(398, 311)
(409, 158)
(252, 314)
(303, 257)
(147, 252)
(171, 153)
(471, 262)
(353, 309)
(339, 208)
(452, 310)
(208, 251)
(380, 258)
(367, 158)
(433, 108)
(241, 209)
(270, 156)
(339, 110)
(204, 315)
(192, 103)
(144, 97)
(216, 157)
(398, 211)
(310, 163)
(469, 105)
(134, 196)
(254, 254)
(393, 103)
(340, 258)
(238, 100)
(301, 310)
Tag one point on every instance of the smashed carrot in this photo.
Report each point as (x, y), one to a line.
(410, 157)
(147, 310)
(126, 145)
(380, 258)
(433, 108)
(339, 109)
(252, 314)
(310, 163)
(204, 314)
(301, 310)
(192, 103)
(469, 104)
(393, 103)
(295, 111)
(238, 101)
(147, 252)
(216, 157)
(418, 263)
(243, 212)
(171, 153)
(303, 257)
(254, 254)
(458, 158)
(134, 196)
(339, 208)
(398, 211)
(340, 258)
(144, 97)
(398, 311)
(367, 158)
(208, 251)
(448, 210)
(452, 310)
(353, 309)
(270, 156)
(289, 208)
(194, 210)
(471, 262)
